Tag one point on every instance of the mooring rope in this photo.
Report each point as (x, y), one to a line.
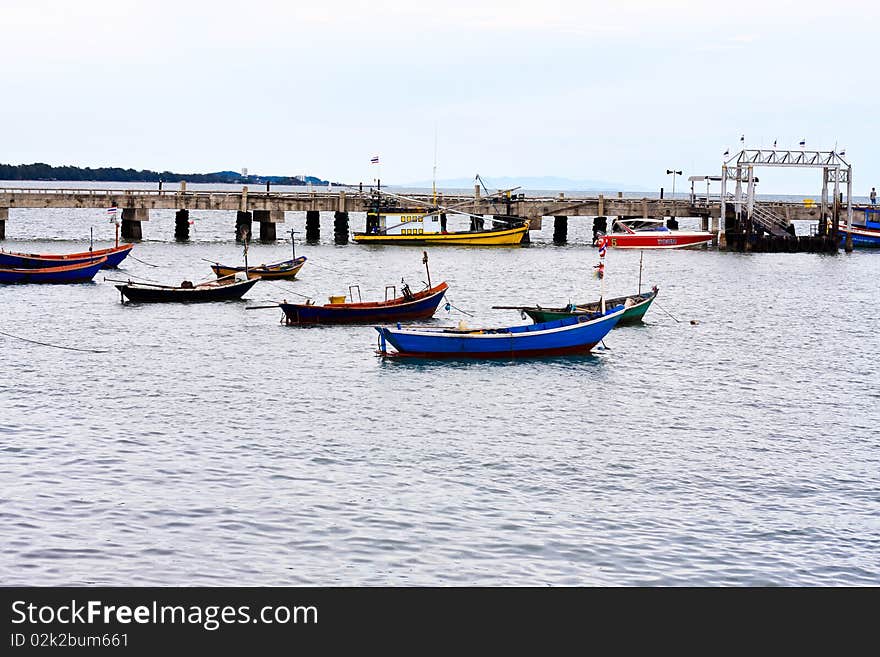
(46, 344)
(287, 289)
(666, 311)
(450, 305)
(141, 261)
(312, 263)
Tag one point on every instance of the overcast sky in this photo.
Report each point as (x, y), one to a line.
(617, 91)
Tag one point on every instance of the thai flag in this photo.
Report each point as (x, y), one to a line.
(374, 159)
(774, 143)
(803, 142)
(111, 212)
(603, 246)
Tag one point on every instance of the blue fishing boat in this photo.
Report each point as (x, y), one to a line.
(113, 255)
(77, 273)
(867, 234)
(571, 335)
(408, 306)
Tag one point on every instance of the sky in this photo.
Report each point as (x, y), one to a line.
(613, 91)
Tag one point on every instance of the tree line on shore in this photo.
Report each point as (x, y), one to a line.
(41, 171)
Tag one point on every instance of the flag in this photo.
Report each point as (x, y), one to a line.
(374, 159)
(843, 152)
(603, 245)
(803, 142)
(726, 152)
(111, 212)
(600, 270)
(742, 139)
(774, 143)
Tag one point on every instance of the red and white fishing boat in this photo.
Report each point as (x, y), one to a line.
(652, 234)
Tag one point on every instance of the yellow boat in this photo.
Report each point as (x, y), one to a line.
(417, 228)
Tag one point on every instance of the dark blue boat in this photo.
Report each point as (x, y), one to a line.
(867, 234)
(572, 335)
(419, 305)
(77, 273)
(114, 256)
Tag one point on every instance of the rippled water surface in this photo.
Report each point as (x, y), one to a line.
(730, 440)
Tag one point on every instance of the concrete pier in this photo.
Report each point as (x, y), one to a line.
(340, 227)
(313, 226)
(243, 226)
(268, 207)
(132, 218)
(267, 220)
(560, 230)
(181, 225)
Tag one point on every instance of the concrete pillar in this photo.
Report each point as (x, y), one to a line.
(131, 222)
(267, 220)
(600, 225)
(181, 225)
(243, 226)
(4, 217)
(704, 222)
(340, 227)
(313, 225)
(560, 230)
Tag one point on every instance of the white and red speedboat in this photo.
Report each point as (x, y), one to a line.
(652, 234)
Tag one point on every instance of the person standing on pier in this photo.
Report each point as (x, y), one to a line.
(873, 196)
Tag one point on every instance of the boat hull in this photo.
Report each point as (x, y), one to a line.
(633, 314)
(861, 235)
(67, 273)
(422, 306)
(660, 239)
(114, 256)
(504, 237)
(571, 335)
(143, 294)
(280, 270)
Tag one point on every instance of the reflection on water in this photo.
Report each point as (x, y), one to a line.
(214, 445)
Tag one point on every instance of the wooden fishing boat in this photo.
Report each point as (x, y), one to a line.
(73, 273)
(867, 234)
(634, 308)
(287, 269)
(654, 235)
(418, 227)
(570, 335)
(408, 306)
(113, 255)
(220, 290)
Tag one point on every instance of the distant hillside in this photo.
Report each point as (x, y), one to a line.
(40, 171)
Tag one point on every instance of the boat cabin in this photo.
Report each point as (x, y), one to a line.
(403, 222)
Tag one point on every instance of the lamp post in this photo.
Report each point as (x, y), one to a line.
(674, 173)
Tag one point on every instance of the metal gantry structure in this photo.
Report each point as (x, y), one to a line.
(740, 168)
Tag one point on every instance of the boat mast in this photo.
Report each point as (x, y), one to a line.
(292, 244)
(434, 179)
(641, 256)
(425, 262)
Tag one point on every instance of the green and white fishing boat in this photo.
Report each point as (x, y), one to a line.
(635, 307)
